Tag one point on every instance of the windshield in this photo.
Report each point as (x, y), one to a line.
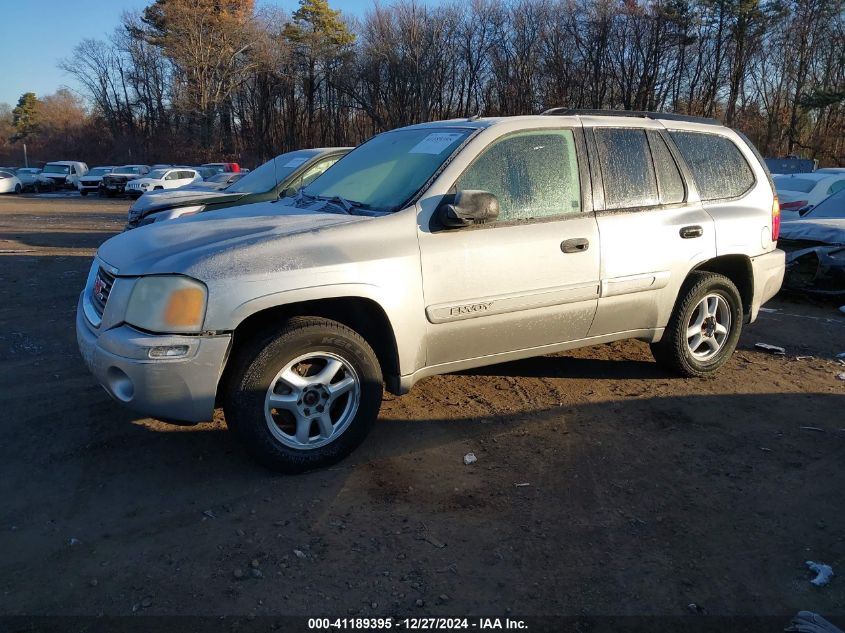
(804, 185)
(99, 171)
(267, 176)
(157, 174)
(831, 207)
(56, 169)
(28, 170)
(384, 173)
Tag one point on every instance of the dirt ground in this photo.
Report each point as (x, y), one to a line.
(603, 485)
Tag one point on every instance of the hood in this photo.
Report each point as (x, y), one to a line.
(121, 177)
(182, 197)
(197, 245)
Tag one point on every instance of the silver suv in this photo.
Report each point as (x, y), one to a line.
(431, 249)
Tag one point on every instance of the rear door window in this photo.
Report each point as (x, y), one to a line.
(718, 167)
(627, 170)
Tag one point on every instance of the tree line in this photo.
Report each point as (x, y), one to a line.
(196, 80)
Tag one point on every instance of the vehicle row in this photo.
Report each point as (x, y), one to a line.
(114, 180)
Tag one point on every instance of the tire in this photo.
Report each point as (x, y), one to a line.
(82, 192)
(18, 188)
(284, 438)
(679, 350)
(110, 194)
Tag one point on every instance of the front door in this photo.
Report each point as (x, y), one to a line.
(528, 279)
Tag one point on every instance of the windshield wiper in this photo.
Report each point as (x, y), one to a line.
(347, 205)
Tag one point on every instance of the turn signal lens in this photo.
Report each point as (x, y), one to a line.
(185, 307)
(775, 219)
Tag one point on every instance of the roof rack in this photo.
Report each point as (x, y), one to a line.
(657, 116)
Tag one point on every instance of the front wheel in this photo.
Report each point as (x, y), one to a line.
(82, 192)
(305, 396)
(18, 188)
(704, 328)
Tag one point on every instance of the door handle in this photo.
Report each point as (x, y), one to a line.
(575, 245)
(689, 232)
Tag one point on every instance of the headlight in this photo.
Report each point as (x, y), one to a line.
(143, 185)
(167, 303)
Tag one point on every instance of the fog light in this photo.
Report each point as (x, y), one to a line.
(168, 351)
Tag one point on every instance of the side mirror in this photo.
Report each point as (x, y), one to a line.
(468, 208)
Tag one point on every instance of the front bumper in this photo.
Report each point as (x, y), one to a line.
(768, 273)
(182, 389)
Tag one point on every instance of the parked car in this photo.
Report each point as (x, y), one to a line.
(65, 174)
(32, 179)
(431, 249)
(216, 182)
(280, 177)
(832, 207)
(9, 182)
(221, 167)
(92, 182)
(160, 179)
(799, 190)
(115, 182)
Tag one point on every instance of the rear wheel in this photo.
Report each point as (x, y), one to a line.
(305, 396)
(18, 188)
(704, 328)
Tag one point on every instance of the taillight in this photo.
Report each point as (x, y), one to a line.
(793, 206)
(775, 219)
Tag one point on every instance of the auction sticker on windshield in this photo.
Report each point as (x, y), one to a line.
(435, 143)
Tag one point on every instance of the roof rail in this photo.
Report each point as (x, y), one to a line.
(657, 116)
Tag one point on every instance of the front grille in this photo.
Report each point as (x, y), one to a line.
(101, 289)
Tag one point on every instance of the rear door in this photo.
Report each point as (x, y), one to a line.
(652, 225)
(528, 279)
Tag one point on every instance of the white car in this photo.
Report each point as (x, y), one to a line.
(796, 191)
(171, 178)
(91, 182)
(65, 173)
(9, 183)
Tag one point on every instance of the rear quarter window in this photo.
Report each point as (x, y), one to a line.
(717, 165)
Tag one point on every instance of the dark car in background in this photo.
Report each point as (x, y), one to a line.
(283, 176)
(115, 183)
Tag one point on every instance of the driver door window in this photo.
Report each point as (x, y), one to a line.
(533, 174)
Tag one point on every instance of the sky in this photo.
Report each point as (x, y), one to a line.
(36, 34)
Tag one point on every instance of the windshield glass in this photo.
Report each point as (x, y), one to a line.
(267, 176)
(386, 171)
(28, 170)
(804, 185)
(831, 207)
(99, 171)
(56, 169)
(157, 174)
(127, 170)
